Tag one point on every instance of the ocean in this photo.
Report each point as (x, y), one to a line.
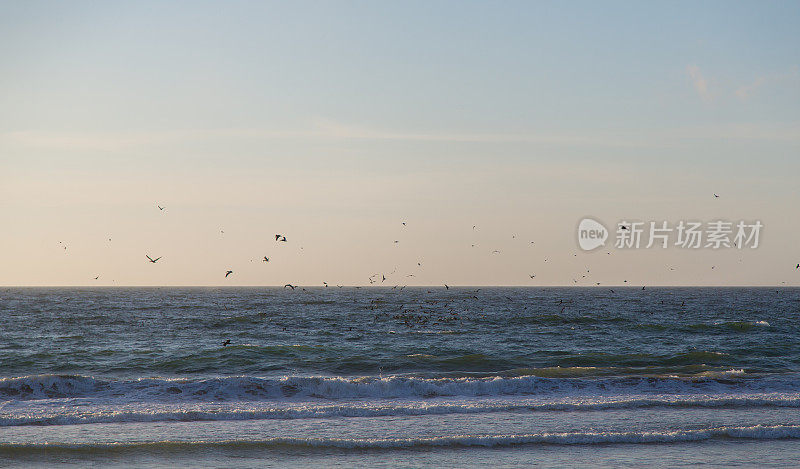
(382, 377)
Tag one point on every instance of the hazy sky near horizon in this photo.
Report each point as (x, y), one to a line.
(334, 122)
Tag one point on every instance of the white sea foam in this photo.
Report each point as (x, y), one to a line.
(107, 411)
(757, 432)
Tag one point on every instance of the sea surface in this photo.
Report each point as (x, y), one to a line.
(381, 377)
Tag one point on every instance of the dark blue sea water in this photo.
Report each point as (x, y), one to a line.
(418, 376)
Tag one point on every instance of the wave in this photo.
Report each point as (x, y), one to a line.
(757, 432)
(254, 388)
(378, 409)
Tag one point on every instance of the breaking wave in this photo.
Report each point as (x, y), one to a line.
(255, 388)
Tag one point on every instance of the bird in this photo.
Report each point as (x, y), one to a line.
(716, 196)
(446, 287)
(289, 285)
(404, 223)
(277, 237)
(283, 239)
(160, 207)
(153, 260)
(226, 343)
(495, 252)
(623, 227)
(97, 277)
(531, 276)
(797, 267)
(266, 259)
(228, 273)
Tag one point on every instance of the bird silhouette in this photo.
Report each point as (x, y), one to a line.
(153, 260)
(289, 285)
(266, 259)
(228, 273)
(160, 207)
(226, 343)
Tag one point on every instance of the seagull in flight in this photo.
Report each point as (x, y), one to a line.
(160, 207)
(289, 285)
(153, 260)
(228, 273)
(97, 277)
(531, 276)
(280, 237)
(716, 196)
(797, 267)
(266, 259)
(446, 287)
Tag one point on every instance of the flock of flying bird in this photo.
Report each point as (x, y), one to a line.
(373, 279)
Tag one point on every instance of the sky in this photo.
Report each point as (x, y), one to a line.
(483, 126)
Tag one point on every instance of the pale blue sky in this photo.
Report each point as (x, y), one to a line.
(338, 119)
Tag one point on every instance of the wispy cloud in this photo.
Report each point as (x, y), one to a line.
(699, 82)
(748, 90)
